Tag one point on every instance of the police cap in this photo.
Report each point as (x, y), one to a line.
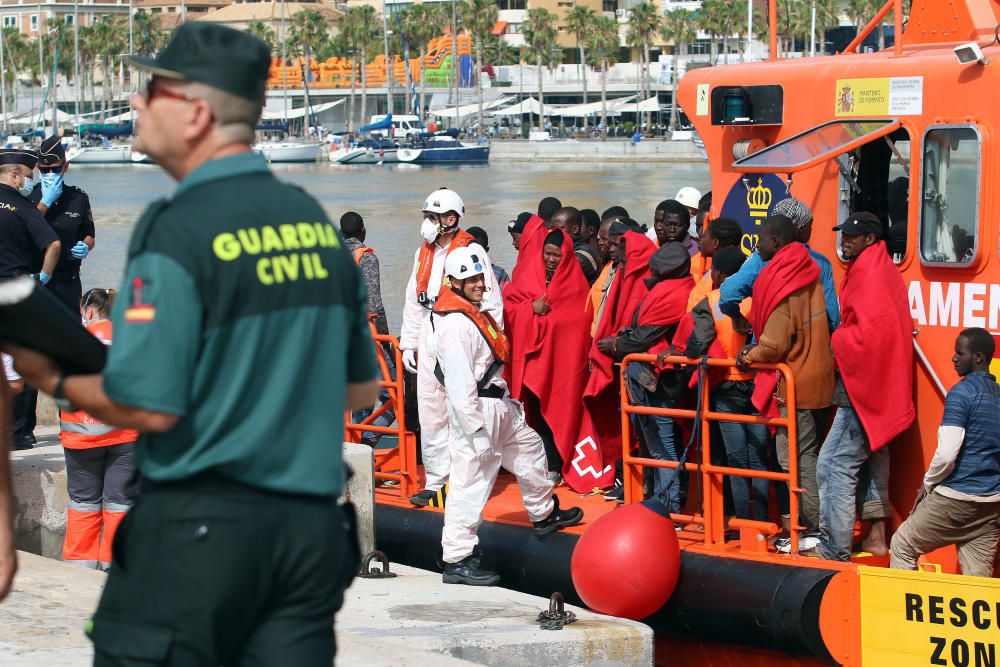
(51, 152)
(230, 60)
(18, 156)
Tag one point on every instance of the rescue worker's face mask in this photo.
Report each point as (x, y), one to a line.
(429, 230)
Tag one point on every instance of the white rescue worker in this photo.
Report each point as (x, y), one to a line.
(443, 210)
(487, 426)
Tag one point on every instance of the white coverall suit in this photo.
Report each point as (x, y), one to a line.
(486, 433)
(416, 334)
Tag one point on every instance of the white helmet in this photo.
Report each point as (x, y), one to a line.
(444, 200)
(688, 196)
(462, 263)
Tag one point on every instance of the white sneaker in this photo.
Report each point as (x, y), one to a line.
(806, 543)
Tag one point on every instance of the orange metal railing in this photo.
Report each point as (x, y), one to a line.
(712, 516)
(392, 464)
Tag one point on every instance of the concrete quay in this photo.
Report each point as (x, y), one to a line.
(409, 621)
(647, 150)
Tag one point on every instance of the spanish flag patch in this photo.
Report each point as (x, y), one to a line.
(142, 313)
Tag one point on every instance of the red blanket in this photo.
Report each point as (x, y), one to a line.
(873, 346)
(549, 358)
(791, 268)
(665, 304)
(532, 238)
(601, 396)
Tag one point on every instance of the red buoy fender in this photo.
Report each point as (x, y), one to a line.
(627, 563)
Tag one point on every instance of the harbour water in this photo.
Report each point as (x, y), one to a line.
(390, 197)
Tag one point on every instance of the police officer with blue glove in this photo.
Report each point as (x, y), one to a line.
(67, 210)
(28, 246)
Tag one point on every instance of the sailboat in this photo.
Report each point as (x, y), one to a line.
(289, 150)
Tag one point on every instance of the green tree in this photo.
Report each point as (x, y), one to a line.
(605, 45)
(262, 31)
(365, 29)
(419, 24)
(16, 59)
(109, 39)
(580, 21)
(310, 30)
(479, 17)
(539, 39)
(680, 29)
(498, 52)
(643, 25)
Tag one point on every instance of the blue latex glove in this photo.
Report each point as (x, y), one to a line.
(43, 277)
(80, 250)
(52, 185)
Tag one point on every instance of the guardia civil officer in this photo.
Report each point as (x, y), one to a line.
(28, 246)
(67, 209)
(240, 339)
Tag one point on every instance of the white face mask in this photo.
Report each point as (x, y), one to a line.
(429, 230)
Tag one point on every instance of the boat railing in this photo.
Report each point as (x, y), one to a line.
(753, 534)
(396, 466)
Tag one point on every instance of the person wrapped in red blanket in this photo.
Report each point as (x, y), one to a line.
(550, 342)
(632, 250)
(652, 327)
(789, 319)
(873, 350)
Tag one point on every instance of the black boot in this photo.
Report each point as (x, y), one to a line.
(467, 571)
(423, 498)
(557, 519)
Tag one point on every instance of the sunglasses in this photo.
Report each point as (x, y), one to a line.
(155, 89)
(55, 169)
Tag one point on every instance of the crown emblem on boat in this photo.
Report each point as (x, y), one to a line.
(846, 100)
(759, 199)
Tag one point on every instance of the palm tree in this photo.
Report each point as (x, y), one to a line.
(580, 22)
(110, 38)
(262, 31)
(679, 28)
(605, 45)
(479, 17)
(309, 31)
(539, 38)
(498, 52)
(644, 23)
(147, 38)
(16, 58)
(366, 31)
(418, 25)
(708, 21)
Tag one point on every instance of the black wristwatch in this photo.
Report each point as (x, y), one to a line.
(60, 396)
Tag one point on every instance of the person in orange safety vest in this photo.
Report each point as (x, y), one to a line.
(746, 445)
(100, 463)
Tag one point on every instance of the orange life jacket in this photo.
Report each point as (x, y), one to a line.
(425, 261)
(700, 266)
(731, 341)
(360, 252)
(78, 430)
(449, 301)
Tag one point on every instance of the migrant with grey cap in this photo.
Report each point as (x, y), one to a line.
(795, 210)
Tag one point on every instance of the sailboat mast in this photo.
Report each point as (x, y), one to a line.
(284, 67)
(3, 86)
(76, 63)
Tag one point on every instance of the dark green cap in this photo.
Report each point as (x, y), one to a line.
(221, 57)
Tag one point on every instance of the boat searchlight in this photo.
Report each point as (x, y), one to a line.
(970, 53)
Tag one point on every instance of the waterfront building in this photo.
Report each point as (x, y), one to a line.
(30, 18)
(171, 13)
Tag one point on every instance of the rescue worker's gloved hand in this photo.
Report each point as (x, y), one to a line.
(410, 360)
(480, 443)
(44, 278)
(80, 250)
(52, 185)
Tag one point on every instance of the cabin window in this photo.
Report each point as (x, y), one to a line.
(875, 178)
(949, 212)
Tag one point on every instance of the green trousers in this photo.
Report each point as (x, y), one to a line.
(220, 574)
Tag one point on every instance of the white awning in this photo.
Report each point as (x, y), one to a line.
(593, 108)
(529, 105)
(470, 109)
(646, 106)
(300, 112)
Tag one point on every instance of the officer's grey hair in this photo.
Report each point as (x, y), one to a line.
(235, 117)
